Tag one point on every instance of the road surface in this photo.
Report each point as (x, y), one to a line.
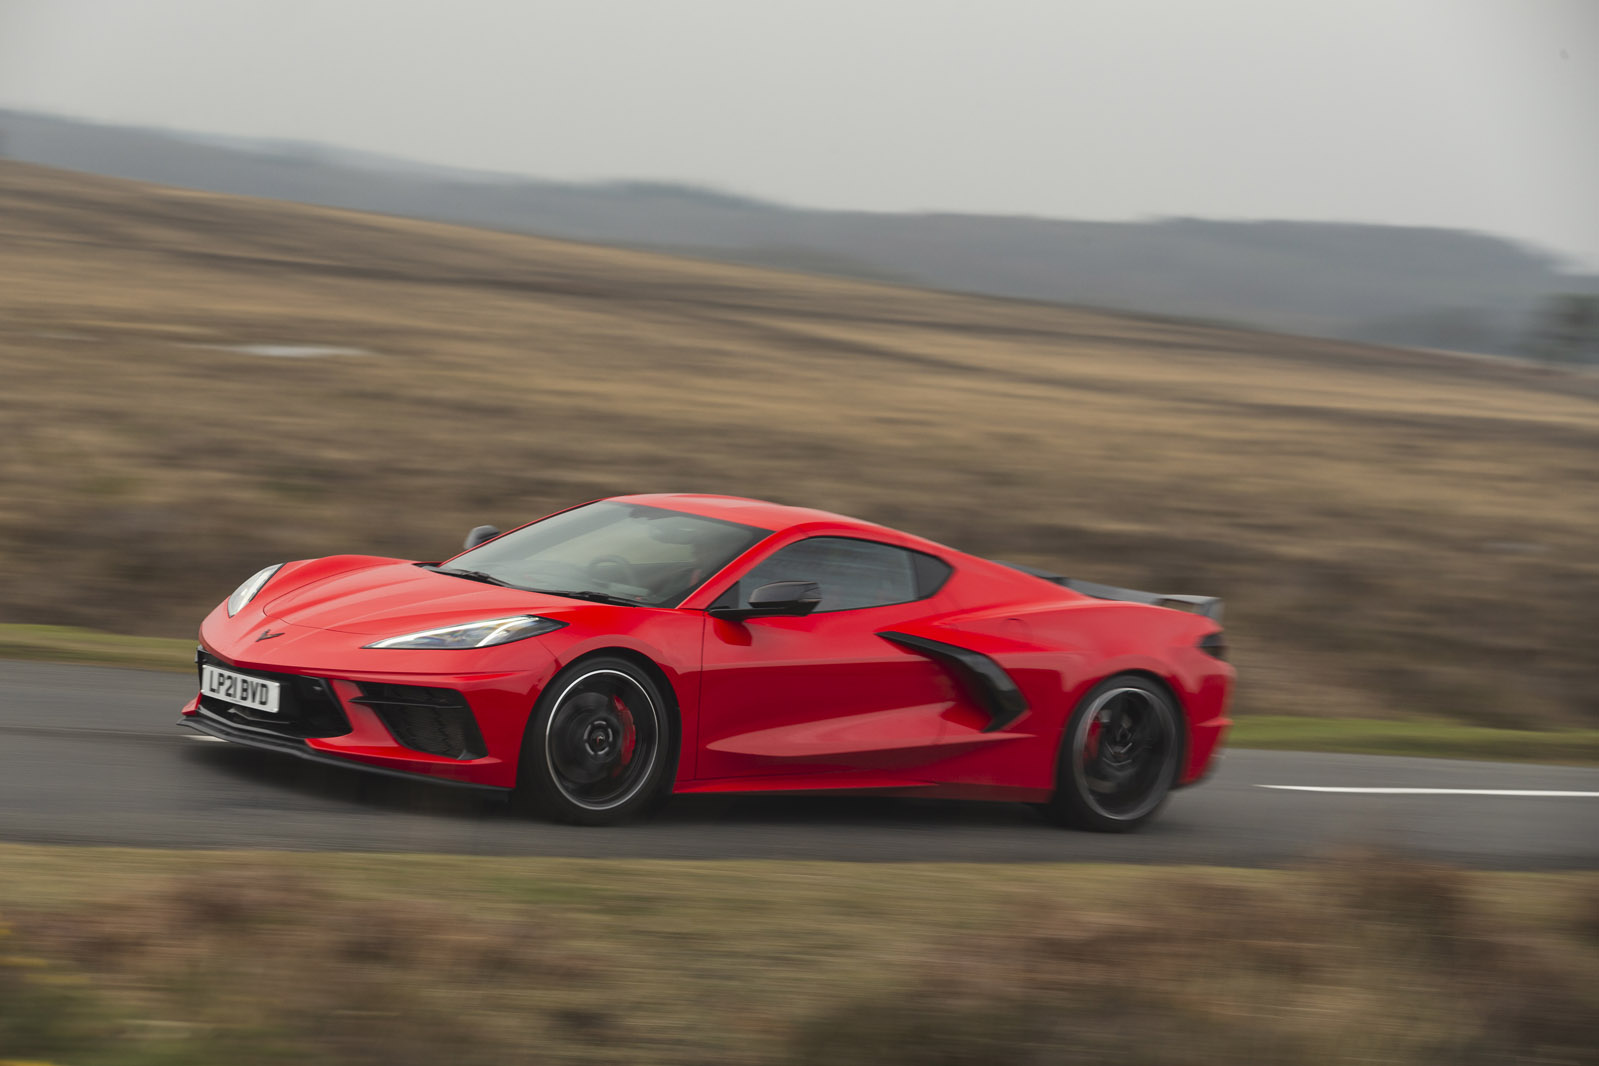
(91, 755)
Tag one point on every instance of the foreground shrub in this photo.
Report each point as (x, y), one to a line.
(1368, 960)
(1378, 961)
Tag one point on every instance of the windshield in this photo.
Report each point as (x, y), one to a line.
(610, 550)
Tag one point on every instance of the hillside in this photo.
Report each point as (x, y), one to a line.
(1396, 533)
(1390, 284)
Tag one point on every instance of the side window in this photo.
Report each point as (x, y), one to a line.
(852, 573)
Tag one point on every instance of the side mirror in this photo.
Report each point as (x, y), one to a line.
(478, 535)
(777, 598)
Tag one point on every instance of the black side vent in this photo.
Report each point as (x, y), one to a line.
(988, 681)
(435, 720)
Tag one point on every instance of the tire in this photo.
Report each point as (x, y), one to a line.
(600, 746)
(1119, 757)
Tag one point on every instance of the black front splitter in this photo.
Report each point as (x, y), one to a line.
(202, 723)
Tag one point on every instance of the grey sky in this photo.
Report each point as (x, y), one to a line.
(1481, 114)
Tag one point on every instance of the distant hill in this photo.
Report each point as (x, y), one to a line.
(1400, 285)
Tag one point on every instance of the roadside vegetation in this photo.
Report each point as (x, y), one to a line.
(1422, 737)
(69, 644)
(1398, 535)
(129, 958)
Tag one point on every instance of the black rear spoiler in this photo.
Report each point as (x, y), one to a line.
(1208, 606)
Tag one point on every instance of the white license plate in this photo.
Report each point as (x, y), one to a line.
(252, 692)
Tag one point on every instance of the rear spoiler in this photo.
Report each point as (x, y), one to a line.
(1208, 606)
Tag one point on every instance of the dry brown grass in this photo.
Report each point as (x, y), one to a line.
(1372, 961)
(124, 958)
(1396, 533)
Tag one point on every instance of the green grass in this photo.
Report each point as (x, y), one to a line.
(69, 644)
(124, 957)
(1360, 736)
(1442, 740)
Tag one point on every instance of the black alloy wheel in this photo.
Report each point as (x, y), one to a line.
(598, 745)
(1119, 756)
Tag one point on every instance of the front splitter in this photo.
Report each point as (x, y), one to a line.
(203, 723)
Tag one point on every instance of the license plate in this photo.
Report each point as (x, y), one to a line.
(252, 692)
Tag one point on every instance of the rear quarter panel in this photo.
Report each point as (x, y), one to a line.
(1057, 651)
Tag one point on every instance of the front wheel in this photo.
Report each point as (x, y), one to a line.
(598, 745)
(1118, 757)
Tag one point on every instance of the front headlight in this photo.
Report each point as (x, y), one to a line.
(246, 592)
(474, 634)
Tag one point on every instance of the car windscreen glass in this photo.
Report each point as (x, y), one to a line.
(621, 552)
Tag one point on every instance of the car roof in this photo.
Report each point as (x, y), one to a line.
(808, 521)
(763, 514)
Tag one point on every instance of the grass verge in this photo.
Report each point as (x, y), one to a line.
(1432, 739)
(69, 644)
(119, 957)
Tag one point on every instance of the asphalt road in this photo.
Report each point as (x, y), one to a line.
(92, 756)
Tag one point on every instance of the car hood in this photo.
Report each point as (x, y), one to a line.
(396, 598)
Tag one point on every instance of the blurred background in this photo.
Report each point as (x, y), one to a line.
(1294, 305)
(790, 218)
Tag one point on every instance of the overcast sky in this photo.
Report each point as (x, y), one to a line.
(1481, 114)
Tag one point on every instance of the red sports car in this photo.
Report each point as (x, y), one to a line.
(600, 659)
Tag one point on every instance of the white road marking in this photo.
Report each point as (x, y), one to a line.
(1435, 791)
(219, 740)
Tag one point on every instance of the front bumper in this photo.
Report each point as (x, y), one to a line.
(359, 721)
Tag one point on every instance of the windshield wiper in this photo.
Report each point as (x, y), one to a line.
(472, 575)
(597, 597)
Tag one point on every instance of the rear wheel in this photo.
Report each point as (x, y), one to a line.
(598, 745)
(1118, 757)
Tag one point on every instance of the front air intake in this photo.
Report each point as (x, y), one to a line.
(434, 720)
(306, 708)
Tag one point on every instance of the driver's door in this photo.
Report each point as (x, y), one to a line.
(823, 693)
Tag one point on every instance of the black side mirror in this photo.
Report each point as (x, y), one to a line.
(777, 598)
(478, 535)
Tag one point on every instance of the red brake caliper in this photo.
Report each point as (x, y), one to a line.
(1091, 744)
(629, 735)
